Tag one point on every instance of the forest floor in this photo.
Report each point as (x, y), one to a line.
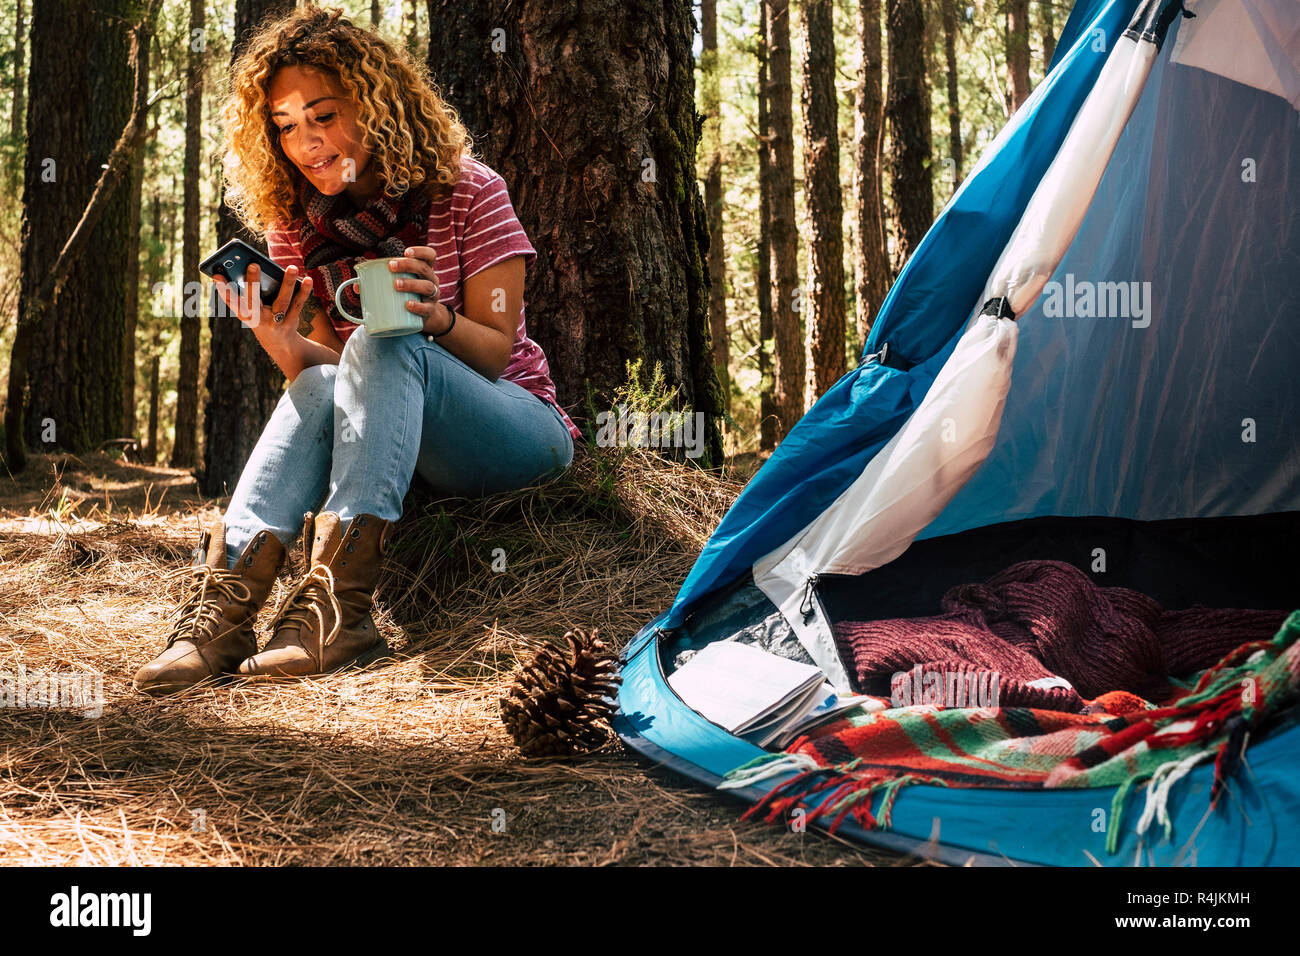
(406, 762)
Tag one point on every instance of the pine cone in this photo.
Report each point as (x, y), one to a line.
(557, 704)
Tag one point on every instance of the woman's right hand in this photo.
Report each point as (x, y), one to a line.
(261, 317)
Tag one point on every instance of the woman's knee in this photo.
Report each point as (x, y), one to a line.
(312, 389)
(363, 350)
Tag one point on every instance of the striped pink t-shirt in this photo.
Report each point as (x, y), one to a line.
(473, 228)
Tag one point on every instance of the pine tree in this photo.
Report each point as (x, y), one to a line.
(907, 112)
(826, 306)
(872, 265)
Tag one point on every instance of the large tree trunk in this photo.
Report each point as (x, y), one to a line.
(873, 272)
(787, 310)
(821, 171)
(907, 112)
(185, 448)
(243, 383)
(81, 92)
(712, 81)
(1048, 16)
(16, 110)
(587, 111)
(1017, 44)
(768, 417)
(954, 102)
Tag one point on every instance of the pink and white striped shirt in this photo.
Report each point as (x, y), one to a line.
(473, 228)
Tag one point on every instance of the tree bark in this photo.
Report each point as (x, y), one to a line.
(154, 364)
(132, 301)
(76, 224)
(374, 13)
(954, 100)
(158, 273)
(1048, 14)
(243, 383)
(787, 309)
(821, 165)
(1017, 44)
(185, 446)
(587, 111)
(907, 113)
(769, 420)
(713, 202)
(873, 273)
(16, 110)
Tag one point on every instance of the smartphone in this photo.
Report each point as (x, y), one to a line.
(234, 258)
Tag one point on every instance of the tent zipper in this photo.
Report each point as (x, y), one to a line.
(806, 605)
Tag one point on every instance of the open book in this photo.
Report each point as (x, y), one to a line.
(766, 699)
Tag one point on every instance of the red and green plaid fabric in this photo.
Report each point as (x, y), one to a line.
(1119, 740)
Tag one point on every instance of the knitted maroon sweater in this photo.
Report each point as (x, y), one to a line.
(1038, 620)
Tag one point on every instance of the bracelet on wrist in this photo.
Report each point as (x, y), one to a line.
(452, 325)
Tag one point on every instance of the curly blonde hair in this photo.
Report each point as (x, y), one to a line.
(416, 139)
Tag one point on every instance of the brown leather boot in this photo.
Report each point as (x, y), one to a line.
(324, 623)
(212, 625)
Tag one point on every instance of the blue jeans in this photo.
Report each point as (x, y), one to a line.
(352, 436)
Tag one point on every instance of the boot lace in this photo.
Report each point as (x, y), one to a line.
(197, 616)
(304, 602)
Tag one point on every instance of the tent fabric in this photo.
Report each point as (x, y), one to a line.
(1255, 42)
(903, 487)
(1200, 214)
(828, 448)
(942, 444)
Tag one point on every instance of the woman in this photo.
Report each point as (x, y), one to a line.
(340, 150)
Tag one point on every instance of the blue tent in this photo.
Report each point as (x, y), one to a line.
(1155, 167)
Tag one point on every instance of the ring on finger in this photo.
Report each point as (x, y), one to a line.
(279, 317)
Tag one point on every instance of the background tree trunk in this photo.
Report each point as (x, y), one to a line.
(821, 164)
(411, 16)
(81, 90)
(787, 318)
(374, 13)
(243, 383)
(954, 100)
(768, 417)
(185, 448)
(907, 112)
(1017, 43)
(713, 203)
(873, 274)
(1048, 16)
(157, 273)
(16, 110)
(587, 111)
(155, 360)
(132, 300)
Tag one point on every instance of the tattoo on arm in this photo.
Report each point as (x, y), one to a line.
(310, 310)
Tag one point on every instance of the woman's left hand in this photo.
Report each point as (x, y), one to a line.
(419, 261)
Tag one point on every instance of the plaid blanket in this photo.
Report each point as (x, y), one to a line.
(1118, 740)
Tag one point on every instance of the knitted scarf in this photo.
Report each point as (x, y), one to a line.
(1040, 621)
(1117, 740)
(336, 235)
